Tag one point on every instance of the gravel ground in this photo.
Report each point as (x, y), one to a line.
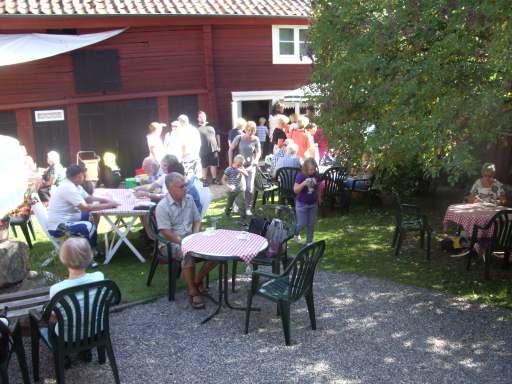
(369, 331)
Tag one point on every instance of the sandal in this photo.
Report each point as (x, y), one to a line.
(196, 302)
(201, 289)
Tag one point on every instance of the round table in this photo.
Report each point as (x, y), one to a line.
(222, 246)
(467, 215)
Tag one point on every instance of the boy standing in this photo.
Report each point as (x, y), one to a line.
(233, 179)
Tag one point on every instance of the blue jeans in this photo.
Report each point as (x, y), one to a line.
(306, 217)
(83, 228)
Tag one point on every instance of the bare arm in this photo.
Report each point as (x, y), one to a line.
(243, 171)
(170, 235)
(257, 155)
(297, 187)
(196, 227)
(84, 207)
(230, 154)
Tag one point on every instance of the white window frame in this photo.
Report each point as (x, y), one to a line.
(277, 58)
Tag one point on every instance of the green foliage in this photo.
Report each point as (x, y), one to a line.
(433, 76)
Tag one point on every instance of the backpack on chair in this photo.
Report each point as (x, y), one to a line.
(276, 234)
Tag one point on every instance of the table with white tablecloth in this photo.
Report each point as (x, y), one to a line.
(121, 219)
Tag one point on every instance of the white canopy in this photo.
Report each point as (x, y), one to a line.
(21, 48)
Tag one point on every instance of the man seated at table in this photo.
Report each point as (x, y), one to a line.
(158, 190)
(290, 159)
(70, 207)
(151, 169)
(487, 189)
(177, 216)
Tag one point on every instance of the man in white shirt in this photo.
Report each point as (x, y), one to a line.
(191, 140)
(70, 206)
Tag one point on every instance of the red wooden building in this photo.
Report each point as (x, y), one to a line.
(229, 57)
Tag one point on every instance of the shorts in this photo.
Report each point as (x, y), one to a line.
(187, 261)
(210, 159)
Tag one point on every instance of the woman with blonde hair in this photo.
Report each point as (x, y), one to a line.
(247, 145)
(487, 189)
(154, 140)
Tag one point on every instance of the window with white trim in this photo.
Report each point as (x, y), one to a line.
(289, 44)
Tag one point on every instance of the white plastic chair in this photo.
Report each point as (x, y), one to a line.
(41, 214)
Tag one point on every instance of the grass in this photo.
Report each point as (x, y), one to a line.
(357, 243)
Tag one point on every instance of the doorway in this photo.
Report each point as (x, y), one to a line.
(254, 109)
(51, 136)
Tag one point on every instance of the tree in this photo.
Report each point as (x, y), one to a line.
(434, 77)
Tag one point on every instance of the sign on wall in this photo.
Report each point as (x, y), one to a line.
(49, 115)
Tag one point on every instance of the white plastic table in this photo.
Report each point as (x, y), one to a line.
(121, 219)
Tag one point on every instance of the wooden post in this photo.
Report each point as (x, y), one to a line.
(25, 129)
(209, 73)
(163, 110)
(73, 131)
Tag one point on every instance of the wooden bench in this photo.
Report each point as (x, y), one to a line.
(20, 303)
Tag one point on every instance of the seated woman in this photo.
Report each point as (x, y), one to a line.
(53, 175)
(110, 172)
(76, 255)
(487, 189)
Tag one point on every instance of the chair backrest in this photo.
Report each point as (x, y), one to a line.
(82, 313)
(301, 270)
(152, 228)
(4, 341)
(502, 230)
(40, 211)
(261, 180)
(286, 178)
(334, 178)
(41, 214)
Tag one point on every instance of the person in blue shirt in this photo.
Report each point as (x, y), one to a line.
(170, 164)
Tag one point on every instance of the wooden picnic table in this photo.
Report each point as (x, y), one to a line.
(20, 303)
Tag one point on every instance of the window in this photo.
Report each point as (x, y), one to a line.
(289, 44)
(96, 70)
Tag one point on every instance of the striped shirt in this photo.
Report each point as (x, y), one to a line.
(234, 177)
(261, 132)
(275, 158)
(288, 161)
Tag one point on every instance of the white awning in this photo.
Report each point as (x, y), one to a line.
(21, 48)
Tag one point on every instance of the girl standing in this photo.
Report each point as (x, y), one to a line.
(306, 200)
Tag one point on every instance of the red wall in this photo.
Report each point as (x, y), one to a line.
(153, 59)
(156, 61)
(243, 62)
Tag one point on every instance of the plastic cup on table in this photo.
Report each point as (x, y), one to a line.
(213, 223)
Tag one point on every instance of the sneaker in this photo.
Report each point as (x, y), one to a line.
(248, 212)
(93, 265)
(235, 208)
(298, 239)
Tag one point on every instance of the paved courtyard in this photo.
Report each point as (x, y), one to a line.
(369, 331)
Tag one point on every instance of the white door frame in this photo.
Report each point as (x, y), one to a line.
(273, 96)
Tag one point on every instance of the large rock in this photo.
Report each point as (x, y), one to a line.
(13, 262)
